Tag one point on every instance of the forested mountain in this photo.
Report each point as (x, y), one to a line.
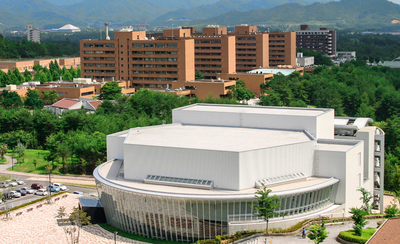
(343, 14)
(44, 14)
(205, 11)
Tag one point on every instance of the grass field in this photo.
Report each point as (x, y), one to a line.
(28, 166)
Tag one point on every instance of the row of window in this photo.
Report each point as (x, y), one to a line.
(207, 41)
(276, 36)
(245, 38)
(151, 72)
(99, 71)
(281, 41)
(245, 60)
(208, 66)
(148, 45)
(207, 48)
(100, 65)
(155, 59)
(276, 51)
(156, 53)
(207, 54)
(153, 78)
(246, 44)
(276, 56)
(244, 55)
(99, 58)
(246, 50)
(99, 52)
(154, 65)
(279, 46)
(313, 33)
(107, 45)
(207, 60)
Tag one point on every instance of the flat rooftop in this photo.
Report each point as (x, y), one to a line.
(312, 112)
(231, 139)
(112, 172)
(334, 147)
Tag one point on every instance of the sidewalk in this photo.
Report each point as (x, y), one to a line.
(84, 180)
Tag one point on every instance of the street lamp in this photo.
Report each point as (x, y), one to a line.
(115, 236)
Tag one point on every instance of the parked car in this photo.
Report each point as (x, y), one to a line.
(36, 186)
(4, 184)
(28, 190)
(15, 194)
(62, 186)
(11, 183)
(22, 191)
(53, 188)
(41, 192)
(18, 181)
(78, 192)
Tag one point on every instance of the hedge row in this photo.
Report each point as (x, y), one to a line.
(30, 203)
(350, 235)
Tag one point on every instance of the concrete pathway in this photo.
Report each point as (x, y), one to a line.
(39, 226)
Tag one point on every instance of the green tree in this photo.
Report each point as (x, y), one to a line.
(3, 150)
(358, 216)
(63, 151)
(32, 100)
(366, 198)
(318, 233)
(11, 99)
(240, 92)
(198, 75)
(110, 91)
(21, 152)
(27, 76)
(266, 204)
(391, 210)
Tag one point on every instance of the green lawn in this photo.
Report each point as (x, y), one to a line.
(3, 160)
(28, 166)
(349, 235)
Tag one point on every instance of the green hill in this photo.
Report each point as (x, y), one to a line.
(343, 14)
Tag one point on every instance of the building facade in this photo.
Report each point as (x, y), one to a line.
(197, 178)
(322, 40)
(32, 34)
(282, 49)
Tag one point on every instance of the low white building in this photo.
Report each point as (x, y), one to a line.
(197, 178)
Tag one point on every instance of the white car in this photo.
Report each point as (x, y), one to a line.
(11, 183)
(15, 194)
(41, 192)
(18, 181)
(62, 186)
(28, 190)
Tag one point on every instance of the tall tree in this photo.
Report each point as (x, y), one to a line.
(318, 233)
(110, 90)
(266, 204)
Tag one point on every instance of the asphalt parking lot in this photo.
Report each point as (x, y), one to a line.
(31, 197)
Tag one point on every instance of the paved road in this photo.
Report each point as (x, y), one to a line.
(42, 179)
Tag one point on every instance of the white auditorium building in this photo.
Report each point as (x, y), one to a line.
(196, 178)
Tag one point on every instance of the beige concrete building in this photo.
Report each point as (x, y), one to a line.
(23, 65)
(282, 49)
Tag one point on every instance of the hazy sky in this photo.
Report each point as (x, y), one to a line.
(395, 1)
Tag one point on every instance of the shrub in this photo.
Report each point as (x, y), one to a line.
(351, 236)
(378, 224)
(391, 211)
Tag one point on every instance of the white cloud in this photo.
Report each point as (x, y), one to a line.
(395, 1)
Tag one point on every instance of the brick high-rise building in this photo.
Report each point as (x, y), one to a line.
(282, 48)
(322, 40)
(132, 56)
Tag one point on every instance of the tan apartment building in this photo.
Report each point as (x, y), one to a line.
(282, 49)
(204, 88)
(132, 56)
(252, 48)
(68, 91)
(253, 81)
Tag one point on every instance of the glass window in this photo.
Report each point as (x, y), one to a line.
(173, 45)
